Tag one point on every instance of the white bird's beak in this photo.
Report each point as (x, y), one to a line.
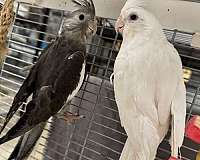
(119, 26)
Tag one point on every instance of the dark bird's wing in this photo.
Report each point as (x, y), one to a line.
(50, 99)
(27, 142)
(27, 88)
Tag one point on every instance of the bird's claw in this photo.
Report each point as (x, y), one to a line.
(69, 117)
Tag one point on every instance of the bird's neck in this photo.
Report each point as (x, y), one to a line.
(135, 39)
(140, 38)
(74, 34)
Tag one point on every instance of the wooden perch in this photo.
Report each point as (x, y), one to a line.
(6, 19)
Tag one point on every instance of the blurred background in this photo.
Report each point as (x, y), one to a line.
(99, 136)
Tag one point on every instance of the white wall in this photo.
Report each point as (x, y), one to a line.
(182, 15)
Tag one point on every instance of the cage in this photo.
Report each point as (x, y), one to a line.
(99, 136)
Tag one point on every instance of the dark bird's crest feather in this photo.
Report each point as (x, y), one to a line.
(88, 4)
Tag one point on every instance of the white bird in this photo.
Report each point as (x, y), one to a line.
(148, 84)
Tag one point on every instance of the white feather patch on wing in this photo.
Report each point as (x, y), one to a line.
(82, 75)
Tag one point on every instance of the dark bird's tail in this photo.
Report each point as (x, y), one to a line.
(4, 139)
(35, 114)
(12, 111)
(14, 133)
(27, 142)
(22, 126)
(22, 95)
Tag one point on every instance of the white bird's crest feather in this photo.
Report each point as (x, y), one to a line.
(135, 3)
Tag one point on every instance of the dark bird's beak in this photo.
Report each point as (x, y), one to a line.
(86, 4)
(92, 25)
(93, 22)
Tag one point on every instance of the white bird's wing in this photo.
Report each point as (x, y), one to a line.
(173, 93)
(178, 112)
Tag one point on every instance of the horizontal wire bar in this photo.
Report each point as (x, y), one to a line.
(13, 66)
(52, 150)
(93, 131)
(113, 110)
(13, 74)
(25, 45)
(103, 116)
(70, 150)
(27, 37)
(7, 104)
(104, 146)
(22, 52)
(116, 131)
(13, 82)
(5, 95)
(30, 21)
(191, 57)
(34, 13)
(45, 33)
(88, 149)
(10, 89)
(20, 60)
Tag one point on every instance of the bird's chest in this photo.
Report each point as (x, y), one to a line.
(77, 88)
(121, 64)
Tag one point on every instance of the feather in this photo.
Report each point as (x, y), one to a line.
(88, 5)
(134, 4)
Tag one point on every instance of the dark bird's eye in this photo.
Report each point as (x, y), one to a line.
(133, 17)
(81, 17)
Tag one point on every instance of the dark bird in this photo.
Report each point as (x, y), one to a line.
(55, 79)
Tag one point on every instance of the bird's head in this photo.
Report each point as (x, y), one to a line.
(135, 20)
(82, 19)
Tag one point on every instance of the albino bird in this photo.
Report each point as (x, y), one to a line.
(148, 84)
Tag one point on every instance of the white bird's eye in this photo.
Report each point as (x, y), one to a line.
(81, 17)
(133, 17)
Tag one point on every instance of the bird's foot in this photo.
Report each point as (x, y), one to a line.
(69, 117)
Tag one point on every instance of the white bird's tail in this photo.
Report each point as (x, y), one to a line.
(142, 141)
(127, 151)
